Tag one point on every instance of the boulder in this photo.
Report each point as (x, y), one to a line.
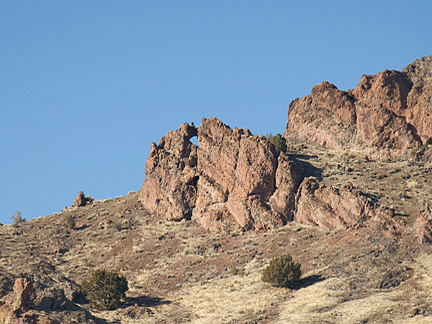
(80, 200)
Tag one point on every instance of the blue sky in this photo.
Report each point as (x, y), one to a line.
(86, 86)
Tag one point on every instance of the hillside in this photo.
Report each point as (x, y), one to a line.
(194, 240)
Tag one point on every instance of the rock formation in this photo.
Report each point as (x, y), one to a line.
(22, 303)
(326, 117)
(16, 304)
(82, 200)
(236, 179)
(423, 225)
(169, 189)
(333, 208)
(232, 178)
(388, 113)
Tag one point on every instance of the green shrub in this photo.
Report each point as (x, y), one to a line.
(234, 271)
(17, 218)
(350, 95)
(69, 222)
(282, 272)
(278, 141)
(105, 289)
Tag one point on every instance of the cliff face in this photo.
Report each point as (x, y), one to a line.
(388, 113)
(236, 180)
(232, 179)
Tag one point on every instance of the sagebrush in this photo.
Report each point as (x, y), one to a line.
(282, 272)
(69, 221)
(278, 141)
(105, 290)
(17, 218)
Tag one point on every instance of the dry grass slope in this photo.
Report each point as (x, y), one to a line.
(180, 273)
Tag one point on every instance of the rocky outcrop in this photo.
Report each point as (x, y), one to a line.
(419, 99)
(79, 200)
(242, 167)
(381, 112)
(82, 200)
(17, 302)
(287, 179)
(389, 112)
(35, 294)
(423, 225)
(232, 178)
(326, 117)
(332, 208)
(169, 189)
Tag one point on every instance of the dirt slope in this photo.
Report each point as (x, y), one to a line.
(178, 272)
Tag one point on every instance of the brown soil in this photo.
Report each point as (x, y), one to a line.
(178, 272)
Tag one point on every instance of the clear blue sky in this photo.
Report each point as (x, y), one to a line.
(86, 86)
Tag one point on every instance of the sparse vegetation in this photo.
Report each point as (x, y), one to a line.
(118, 225)
(105, 289)
(17, 218)
(282, 272)
(69, 221)
(234, 271)
(278, 141)
(427, 142)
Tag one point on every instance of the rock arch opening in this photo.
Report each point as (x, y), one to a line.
(194, 140)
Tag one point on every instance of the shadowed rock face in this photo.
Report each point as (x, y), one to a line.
(389, 112)
(232, 178)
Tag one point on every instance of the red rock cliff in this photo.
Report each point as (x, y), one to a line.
(389, 113)
(232, 179)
